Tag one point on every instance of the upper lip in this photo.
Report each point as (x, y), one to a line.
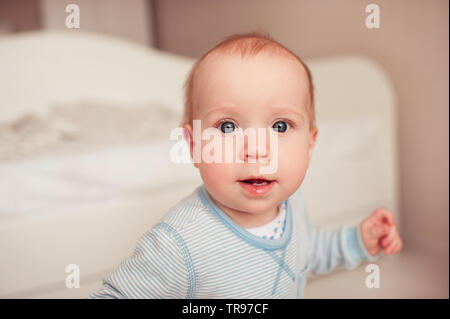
(256, 177)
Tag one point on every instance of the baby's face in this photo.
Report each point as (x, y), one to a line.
(258, 92)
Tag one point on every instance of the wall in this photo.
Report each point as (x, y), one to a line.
(127, 19)
(19, 16)
(412, 46)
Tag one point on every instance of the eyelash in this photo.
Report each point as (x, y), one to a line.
(219, 123)
(289, 122)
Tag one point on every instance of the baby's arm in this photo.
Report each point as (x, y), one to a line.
(156, 269)
(331, 248)
(347, 246)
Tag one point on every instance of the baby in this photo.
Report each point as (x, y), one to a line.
(244, 233)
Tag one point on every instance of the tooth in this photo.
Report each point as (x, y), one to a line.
(260, 184)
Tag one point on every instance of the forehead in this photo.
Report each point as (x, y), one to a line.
(253, 83)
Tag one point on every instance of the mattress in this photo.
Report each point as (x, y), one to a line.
(82, 154)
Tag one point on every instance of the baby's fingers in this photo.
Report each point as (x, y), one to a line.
(394, 247)
(387, 240)
(384, 216)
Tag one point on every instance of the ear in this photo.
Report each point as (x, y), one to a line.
(313, 138)
(188, 137)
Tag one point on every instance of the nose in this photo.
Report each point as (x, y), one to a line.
(255, 147)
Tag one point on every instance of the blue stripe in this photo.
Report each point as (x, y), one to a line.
(271, 244)
(277, 278)
(186, 256)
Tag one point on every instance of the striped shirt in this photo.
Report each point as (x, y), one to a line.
(197, 251)
(273, 229)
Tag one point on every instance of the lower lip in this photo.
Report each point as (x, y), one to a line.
(257, 190)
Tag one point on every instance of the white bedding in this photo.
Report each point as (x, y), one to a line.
(59, 184)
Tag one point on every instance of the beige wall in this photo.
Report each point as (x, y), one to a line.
(127, 19)
(412, 46)
(19, 16)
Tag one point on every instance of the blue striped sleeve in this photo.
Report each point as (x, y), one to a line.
(355, 246)
(158, 268)
(331, 248)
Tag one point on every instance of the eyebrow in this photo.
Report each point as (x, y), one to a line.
(223, 109)
(275, 110)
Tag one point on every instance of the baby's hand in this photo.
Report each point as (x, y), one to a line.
(378, 231)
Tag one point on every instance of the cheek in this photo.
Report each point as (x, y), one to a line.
(216, 176)
(293, 160)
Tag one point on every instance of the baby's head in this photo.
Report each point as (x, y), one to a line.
(252, 81)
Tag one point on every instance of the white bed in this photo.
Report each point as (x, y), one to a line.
(88, 204)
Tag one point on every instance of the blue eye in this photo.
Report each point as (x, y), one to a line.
(227, 127)
(280, 126)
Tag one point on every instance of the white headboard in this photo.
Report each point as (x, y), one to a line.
(353, 170)
(39, 69)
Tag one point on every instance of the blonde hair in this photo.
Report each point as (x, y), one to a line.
(247, 45)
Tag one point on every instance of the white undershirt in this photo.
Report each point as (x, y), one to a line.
(273, 229)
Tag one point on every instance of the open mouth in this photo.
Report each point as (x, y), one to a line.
(256, 181)
(257, 185)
